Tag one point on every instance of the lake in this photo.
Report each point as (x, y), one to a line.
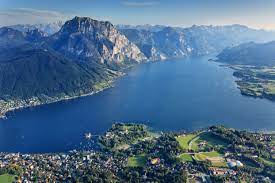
(182, 94)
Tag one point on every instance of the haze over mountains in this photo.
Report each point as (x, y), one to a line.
(40, 65)
(196, 40)
(256, 54)
(49, 28)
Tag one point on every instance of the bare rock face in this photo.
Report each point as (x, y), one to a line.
(86, 39)
(160, 43)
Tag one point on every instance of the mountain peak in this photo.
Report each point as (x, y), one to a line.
(84, 25)
(88, 39)
(35, 35)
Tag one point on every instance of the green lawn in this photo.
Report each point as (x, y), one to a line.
(137, 161)
(202, 156)
(221, 164)
(216, 159)
(185, 157)
(210, 139)
(6, 178)
(184, 140)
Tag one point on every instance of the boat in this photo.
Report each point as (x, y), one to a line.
(88, 136)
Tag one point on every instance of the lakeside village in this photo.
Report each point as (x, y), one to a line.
(133, 153)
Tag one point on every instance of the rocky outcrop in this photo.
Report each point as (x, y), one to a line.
(86, 39)
(159, 45)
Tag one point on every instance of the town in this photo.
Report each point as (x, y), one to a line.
(135, 153)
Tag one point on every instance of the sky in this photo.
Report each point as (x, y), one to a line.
(253, 13)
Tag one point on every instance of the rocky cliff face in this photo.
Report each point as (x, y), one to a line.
(159, 45)
(86, 39)
(35, 35)
(170, 42)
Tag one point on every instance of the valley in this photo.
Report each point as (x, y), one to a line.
(165, 95)
(84, 56)
(138, 91)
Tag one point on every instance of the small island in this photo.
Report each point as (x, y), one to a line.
(135, 153)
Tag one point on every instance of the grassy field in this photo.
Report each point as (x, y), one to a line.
(185, 157)
(209, 138)
(137, 161)
(204, 155)
(184, 140)
(216, 159)
(221, 164)
(6, 178)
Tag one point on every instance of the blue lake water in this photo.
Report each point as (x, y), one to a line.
(171, 95)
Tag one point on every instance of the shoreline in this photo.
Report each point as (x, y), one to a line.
(241, 81)
(3, 115)
(34, 102)
(25, 103)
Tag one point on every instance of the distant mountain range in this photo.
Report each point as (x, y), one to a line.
(49, 28)
(146, 27)
(256, 54)
(46, 63)
(196, 40)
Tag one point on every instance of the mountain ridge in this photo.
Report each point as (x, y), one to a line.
(193, 41)
(251, 53)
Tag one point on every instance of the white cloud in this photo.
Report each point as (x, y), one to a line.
(30, 16)
(139, 3)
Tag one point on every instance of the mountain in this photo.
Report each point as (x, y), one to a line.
(49, 28)
(31, 76)
(85, 39)
(209, 39)
(256, 54)
(192, 41)
(37, 68)
(80, 59)
(35, 35)
(13, 38)
(146, 27)
(10, 37)
(160, 45)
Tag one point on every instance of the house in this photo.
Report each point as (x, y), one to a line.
(155, 161)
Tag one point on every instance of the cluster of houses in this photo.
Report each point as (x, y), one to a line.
(59, 167)
(221, 171)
